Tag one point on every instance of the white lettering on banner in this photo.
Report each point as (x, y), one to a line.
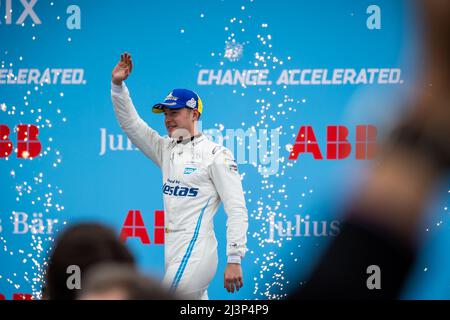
(36, 226)
(47, 76)
(27, 11)
(233, 77)
(1, 229)
(338, 76)
(302, 227)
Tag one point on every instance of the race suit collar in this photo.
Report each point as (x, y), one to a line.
(198, 137)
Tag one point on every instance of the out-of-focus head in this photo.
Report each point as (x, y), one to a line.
(436, 15)
(121, 282)
(436, 26)
(426, 126)
(84, 245)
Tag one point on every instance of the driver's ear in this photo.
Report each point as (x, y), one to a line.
(196, 114)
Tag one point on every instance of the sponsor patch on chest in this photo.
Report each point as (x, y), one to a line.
(189, 170)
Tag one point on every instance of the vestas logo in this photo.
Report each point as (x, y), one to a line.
(172, 188)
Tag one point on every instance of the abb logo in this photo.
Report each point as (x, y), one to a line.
(18, 296)
(134, 227)
(338, 146)
(28, 145)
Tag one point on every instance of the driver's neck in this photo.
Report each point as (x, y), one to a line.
(194, 133)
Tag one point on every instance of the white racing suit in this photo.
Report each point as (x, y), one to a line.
(197, 175)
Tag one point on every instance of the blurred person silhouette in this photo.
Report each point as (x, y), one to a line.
(383, 220)
(120, 282)
(84, 245)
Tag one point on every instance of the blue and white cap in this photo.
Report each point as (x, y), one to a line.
(180, 98)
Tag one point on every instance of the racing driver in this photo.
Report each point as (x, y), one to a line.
(198, 175)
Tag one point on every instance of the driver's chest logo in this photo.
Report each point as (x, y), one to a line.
(189, 170)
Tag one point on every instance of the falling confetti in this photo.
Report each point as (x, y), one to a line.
(33, 192)
(233, 50)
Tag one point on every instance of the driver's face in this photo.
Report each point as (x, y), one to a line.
(179, 120)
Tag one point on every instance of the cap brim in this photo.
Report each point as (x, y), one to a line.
(159, 107)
